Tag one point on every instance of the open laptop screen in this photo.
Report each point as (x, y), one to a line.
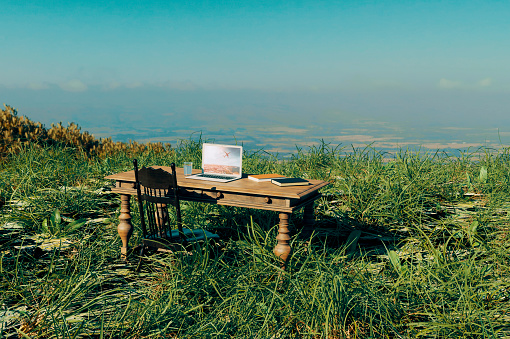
(222, 159)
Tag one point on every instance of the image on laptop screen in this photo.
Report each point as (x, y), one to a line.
(221, 159)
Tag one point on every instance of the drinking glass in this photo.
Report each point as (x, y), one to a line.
(187, 168)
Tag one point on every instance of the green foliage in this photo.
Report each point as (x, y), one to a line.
(56, 227)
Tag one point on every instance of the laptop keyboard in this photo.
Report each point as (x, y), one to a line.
(215, 176)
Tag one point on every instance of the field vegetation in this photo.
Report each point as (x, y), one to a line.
(410, 245)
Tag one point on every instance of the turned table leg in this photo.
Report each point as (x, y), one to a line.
(125, 228)
(308, 220)
(282, 249)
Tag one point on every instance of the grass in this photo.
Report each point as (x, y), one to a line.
(417, 246)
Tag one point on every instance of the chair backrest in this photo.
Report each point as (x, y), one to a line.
(156, 189)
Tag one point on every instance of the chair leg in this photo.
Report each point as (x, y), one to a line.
(139, 266)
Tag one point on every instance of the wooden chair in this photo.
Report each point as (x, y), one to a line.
(156, 190)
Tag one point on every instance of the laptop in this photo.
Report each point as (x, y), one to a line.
(222, 163)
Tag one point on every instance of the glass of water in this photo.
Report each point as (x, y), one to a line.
(187, 168)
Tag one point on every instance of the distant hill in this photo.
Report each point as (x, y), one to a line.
(17, 132)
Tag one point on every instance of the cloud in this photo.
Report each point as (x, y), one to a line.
(112, 85)
(36, 86)
(177, 85)
(74, 86)
(449, 84)
(135, 84)
(452, 84)
(485, 82)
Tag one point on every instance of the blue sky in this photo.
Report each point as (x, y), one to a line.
(292, 70)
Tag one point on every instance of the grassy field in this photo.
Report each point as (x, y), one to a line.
(417, 245)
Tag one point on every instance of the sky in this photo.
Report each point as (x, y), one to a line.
(265, 73)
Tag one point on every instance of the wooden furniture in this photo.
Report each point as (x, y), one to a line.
(240, 193)
(156, 190)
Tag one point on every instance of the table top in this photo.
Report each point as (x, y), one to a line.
(243, 185)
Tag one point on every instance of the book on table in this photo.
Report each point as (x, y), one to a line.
(290, 181)
(264, 177)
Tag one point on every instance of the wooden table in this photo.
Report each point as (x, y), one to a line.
(240, 193)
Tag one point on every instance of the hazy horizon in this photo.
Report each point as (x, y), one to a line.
(292, 119)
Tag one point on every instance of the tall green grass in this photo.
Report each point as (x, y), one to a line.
(399, 251)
